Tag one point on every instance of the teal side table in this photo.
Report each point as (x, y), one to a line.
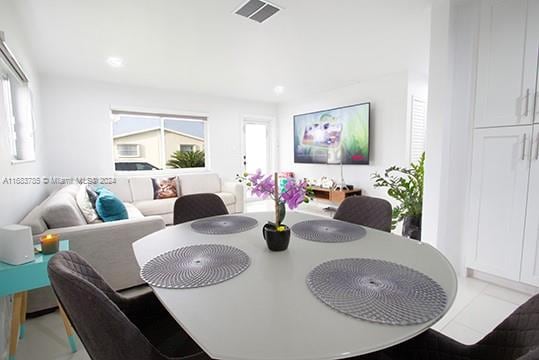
(17, 280)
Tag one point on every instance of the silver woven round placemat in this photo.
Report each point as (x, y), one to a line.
(222, 225)
(332, 231)
(195, 266)
(378, 291)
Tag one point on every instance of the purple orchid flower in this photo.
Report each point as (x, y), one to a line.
(264, 188)
(256, 177)
(292, 194)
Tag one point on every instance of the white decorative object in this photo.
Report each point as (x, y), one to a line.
(326, 183)
(16, 245)
(341, 185)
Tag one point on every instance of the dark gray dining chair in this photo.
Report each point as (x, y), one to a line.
(516, 338)
(198, 206)
(367, 211)
(112, 326)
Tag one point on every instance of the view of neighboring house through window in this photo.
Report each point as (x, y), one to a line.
(152, 142)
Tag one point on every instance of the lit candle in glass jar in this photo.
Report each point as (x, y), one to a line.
(50, 243)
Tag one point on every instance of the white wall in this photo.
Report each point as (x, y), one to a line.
(449, 130)
(440, 78)
(78, 123)
(389, 125)
(17, 199)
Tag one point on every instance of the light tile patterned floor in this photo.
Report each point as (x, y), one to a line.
(478, 308)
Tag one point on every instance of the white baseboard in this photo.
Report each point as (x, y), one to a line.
(496, 280)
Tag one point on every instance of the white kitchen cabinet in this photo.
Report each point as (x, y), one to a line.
(532, 45)
(504, 188)
(530, 253)
(498, 196)
(507, 62)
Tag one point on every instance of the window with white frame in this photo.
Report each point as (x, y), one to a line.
(128, 150)
(152, 141)
(16, 105)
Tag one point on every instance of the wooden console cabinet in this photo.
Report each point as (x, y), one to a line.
(335, 196)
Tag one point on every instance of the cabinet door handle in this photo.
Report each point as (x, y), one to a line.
(523, 147)
(537, 149)
(527, 103)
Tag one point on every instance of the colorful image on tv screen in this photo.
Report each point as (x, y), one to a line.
(333, 136)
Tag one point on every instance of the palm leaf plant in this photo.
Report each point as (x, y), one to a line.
(186, 159)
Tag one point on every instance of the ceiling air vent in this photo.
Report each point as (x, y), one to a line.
(257, 10)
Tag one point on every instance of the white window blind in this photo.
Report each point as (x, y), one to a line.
(7, 105)
(418, 127)
(17, 105)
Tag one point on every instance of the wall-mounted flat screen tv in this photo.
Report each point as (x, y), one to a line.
(334, 136)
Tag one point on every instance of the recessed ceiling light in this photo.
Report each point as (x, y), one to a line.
(279, 89)
(115, 61)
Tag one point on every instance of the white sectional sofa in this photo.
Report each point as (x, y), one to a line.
(107, 245)
(139, 192)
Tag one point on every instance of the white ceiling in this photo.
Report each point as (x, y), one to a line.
(201, 46)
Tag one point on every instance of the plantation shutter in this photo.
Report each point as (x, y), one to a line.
(418, 126)
(16, 105)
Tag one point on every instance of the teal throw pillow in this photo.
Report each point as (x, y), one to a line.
(108, 206)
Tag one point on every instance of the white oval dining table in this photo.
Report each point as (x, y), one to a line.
(268, 312)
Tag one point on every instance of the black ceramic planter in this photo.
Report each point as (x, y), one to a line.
(276, 240)
(411, 227)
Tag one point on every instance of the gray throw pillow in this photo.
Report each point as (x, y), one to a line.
(62, 211)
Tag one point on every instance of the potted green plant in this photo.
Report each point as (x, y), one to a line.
(406, 186)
